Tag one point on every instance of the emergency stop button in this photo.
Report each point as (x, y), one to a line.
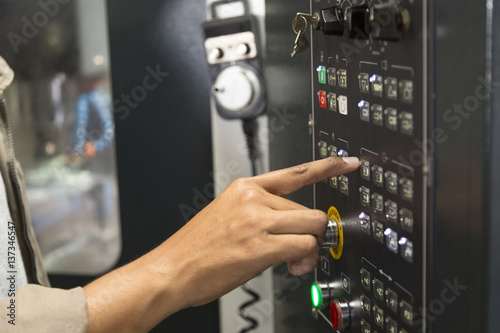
(340, 314)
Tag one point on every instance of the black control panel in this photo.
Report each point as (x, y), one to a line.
(369, 74)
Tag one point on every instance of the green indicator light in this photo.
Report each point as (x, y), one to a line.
(316, 297)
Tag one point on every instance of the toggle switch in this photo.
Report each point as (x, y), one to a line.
(340, 314)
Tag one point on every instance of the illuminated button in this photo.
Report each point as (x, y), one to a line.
(321, 74)
(342, 105)
(365, 327)
(391, 239)
(406, 189)
(342, 153)
(323, 149)
(377, 85)
(342, 78)
(340, 314)
(392, 325)
(378, 289)
(332, 76)
(344, 185)
(377, 115)
(332, 102)
(378, 175)
(320, 295)
(365, 198)
(366, 304)
(364, 83)
(365, 221)
(391, 299)
(391, 88)
(406, 311)
(365, 279)
(406, 219)
(378, 231)
(406, 249)
(378, 203)
(391, 119)
(406, 91)
(334, 182)
(332, 151)
(391, 211)
(322, 99)
(391, 181)
(378, 316)
(365, 170)
(364, 111)
(406, 123)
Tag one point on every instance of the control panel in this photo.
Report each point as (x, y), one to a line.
(369, 100)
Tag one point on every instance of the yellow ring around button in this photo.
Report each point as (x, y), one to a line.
(333, 214)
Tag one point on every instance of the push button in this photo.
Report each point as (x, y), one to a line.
(332, 76)
(391, 239)
(365, 279)
(377, 115)
(366, 305)
(378, 175)
(391, 298)
(392, 325)
(342, 105)
(365, 170)
(378, 203)
(340, 314)
(391, 211)
(365, 198)
(378, 316)
(378, 289)
(406, 249)
(365, 221)
(378, 232)
(364, 83)
(321, 74)
(365, 327)
(322, 99)
(391, 119)
(391, 180)
(406, 312)
(377, 85)
(364, 111)
(406, 219)
(342, 78)
(406, 91)
(332, 102)
(391, 88)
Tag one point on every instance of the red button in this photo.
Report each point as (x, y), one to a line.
(322, 99)
(336, 315)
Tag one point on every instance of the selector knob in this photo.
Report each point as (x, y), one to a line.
(356, 21)
(388, 22)
(331, 21)
(331, 240)
(340, 314)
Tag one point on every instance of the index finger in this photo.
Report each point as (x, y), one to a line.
(286, 181)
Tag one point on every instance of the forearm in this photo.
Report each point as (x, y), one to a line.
(136, 297)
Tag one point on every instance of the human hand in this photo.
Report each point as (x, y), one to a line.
(251, 227)
(244, 231)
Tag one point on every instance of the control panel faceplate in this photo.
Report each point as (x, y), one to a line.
(370, 101)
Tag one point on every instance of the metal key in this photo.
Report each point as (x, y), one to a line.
(300, 24)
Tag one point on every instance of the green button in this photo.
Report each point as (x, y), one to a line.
(321, 74)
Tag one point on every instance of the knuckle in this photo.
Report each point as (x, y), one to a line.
(310, 243)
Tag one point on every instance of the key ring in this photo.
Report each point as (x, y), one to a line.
(294, 25)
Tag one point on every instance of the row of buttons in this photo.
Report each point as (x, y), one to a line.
(393, 121)
(333, 102)
(389, 296)
(390, 88)
(333, 76)
(391, 237)
(387, 208)
(393, 182)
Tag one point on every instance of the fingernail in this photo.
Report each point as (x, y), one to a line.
(351, 160)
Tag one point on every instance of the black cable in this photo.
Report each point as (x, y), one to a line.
(250, 130)
(253, 323)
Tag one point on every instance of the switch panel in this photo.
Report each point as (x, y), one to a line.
(369, 102)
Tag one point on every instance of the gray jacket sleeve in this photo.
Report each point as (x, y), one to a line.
(44, 310)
